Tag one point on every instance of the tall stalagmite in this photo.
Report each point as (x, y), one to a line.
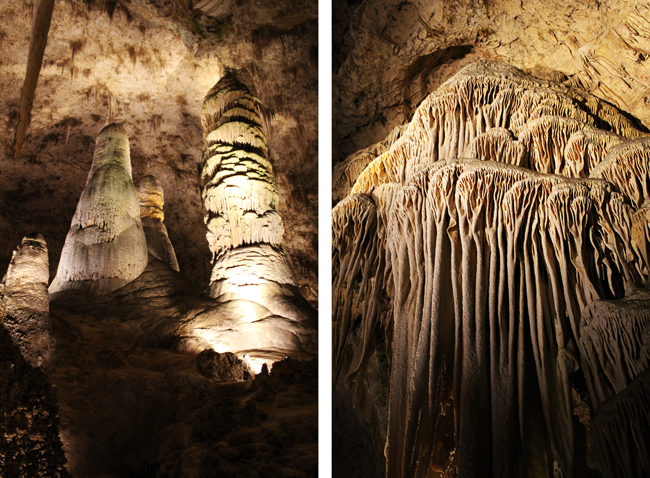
(496, 225)
(24, 300)
(105, 248)
(245, 230)
(239, 191)
(152, 200)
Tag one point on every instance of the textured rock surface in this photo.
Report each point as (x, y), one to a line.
(106, 247)
(149, 64)
(138, 406)
(389, 56)
(24, 301)
(245, 230)
(132, 400)
(152, 201)
(226, 367)
(239, 188)
(29, 421)
(621, 430)
(483, 247)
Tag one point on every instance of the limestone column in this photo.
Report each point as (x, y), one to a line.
(24, 300)
(152, 200)
(105, 248)
(244, 229)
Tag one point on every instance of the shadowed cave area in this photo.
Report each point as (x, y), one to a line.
(491, 303)
(158, 316)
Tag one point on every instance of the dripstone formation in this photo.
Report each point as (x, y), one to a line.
(152, 200)
(244, 229)
(496, 253)
(105, 248)
(24, 301)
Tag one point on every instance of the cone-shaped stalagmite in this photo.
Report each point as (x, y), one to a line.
(106, 246)
(152, 200)
(490, 263)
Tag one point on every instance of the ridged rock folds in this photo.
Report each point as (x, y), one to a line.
(508, 209)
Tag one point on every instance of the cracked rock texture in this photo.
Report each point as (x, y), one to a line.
(488, 261)
(24, 301)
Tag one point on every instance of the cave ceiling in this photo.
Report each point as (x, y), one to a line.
(388, 56)
(149, 65)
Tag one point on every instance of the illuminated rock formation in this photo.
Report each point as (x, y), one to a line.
(479, 247)
(25, 300)
(239, 189)
(152, 200)
(245, 234)
(106, 246)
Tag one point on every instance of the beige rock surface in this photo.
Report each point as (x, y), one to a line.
(106, 247)
(389, 56)
(24, 301)
(493, 248)
(152, 201)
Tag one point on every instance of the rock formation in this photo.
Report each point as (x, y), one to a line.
(152, 200)
(244, 228)
(24, 300)
(29, 422)
(494, 248)
(106, 246)
(125, 374)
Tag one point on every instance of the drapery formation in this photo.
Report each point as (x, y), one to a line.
(487, 273)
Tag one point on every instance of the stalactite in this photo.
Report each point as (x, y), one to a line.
(37, 43)
(488, 95)
(486, 269)
(106, 246)
(346, 172)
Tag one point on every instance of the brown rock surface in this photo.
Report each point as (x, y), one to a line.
(389, 56)
(491, 251)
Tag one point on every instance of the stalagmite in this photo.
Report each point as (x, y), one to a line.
(239, 188)
(152, 200)
(105, 248)
(25, 302)
(485, 247)
(245, 235)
